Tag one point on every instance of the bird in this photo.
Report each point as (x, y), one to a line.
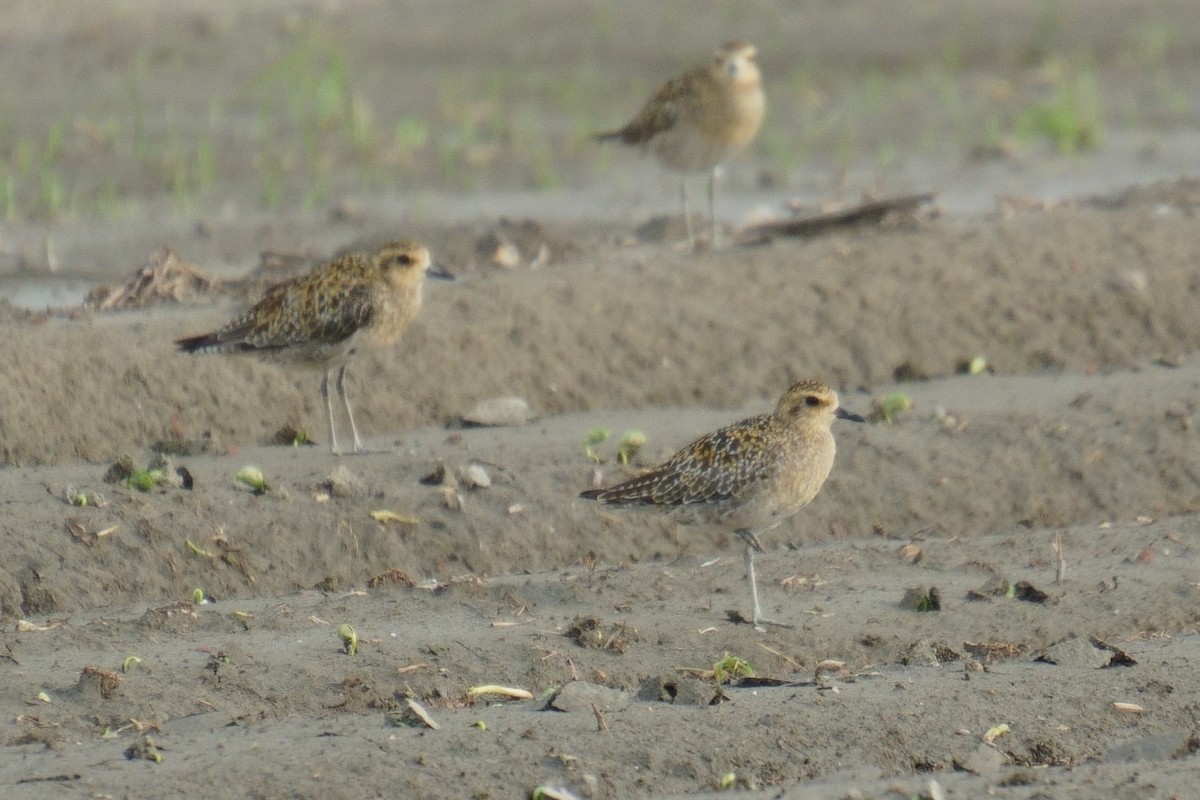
(322, 318)
(696, 121)
(749, 476)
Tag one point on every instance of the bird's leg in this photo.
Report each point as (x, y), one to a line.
(333, 448)
(756, 616)
(341, 387)
(687, 211)
(712, 205)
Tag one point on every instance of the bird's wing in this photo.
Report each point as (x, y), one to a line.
(658, 116)
(711, 469)
(718, 466)
(304, 311)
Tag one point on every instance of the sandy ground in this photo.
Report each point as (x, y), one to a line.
(1081, 432)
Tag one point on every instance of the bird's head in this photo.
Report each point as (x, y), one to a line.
(812, 400)
(406, 262)
(735, 63)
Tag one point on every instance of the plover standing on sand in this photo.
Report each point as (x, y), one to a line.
(749, 476)
(698, 120)
(322, 318)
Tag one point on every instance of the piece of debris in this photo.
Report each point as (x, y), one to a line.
(475, 476)
(164, 277)
(500, 691)
(872, 212)
(413, 715)
(389, 517)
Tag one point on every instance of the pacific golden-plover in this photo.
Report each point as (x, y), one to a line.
(698, 120)
(322, 318)
(749, 476)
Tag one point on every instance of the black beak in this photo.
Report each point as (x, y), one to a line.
(849, 416)
(435, 271)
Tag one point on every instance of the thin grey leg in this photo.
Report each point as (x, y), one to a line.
(341, 387)
(756, 616)
(687, 211)
(333, 448)
(712, 205)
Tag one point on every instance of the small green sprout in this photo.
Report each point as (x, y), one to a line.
(630, 444)
(349, 638)
(977, 366)
(199, 597)
(728, 780)
(731, 667)
(479, 725)
(252, 477)
(591, 440)
(130, 663)
(144, 480)
(198, 550)
(892, 406)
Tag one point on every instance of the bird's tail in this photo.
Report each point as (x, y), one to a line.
(609, 136)
(204, 343)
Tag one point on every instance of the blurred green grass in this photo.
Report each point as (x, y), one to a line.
(311, 123)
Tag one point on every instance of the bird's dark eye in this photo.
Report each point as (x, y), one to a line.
(812, 400)
(404, 259)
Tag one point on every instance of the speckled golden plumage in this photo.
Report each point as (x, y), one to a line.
(698, 120)
(749, 476)
(322, 318)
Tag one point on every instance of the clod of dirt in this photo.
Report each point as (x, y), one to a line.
(180, 447)
(497, 411)
(360, 695)
(926, 653)
(661, 229)
(435, 478)
(984, 760)
(120, 470)
(344, 483)
(143, 748)
(592, 633)
(97, 682)
(1074, 651)
(909, 372)
(291, 436)
(512, 244)
(586, 697)
(392, 576)
(988, 652)
(682, 690)
(1024, 590)
(922, 599)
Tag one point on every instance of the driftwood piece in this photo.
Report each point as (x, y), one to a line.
(870, 213)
